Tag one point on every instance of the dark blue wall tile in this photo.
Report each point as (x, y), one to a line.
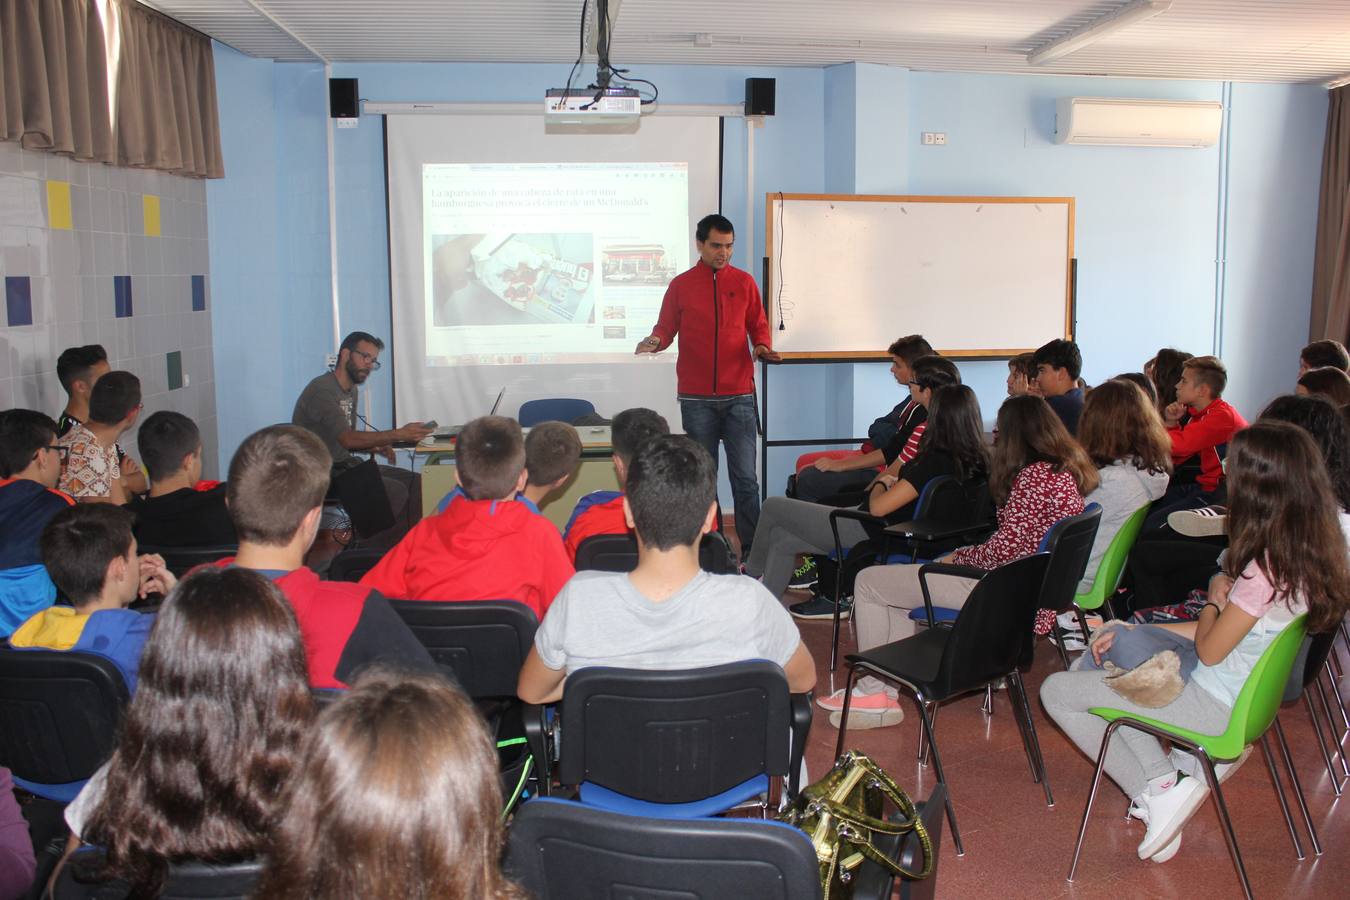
(19, 300)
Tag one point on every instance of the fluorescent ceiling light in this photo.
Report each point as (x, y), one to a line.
(1130, 13)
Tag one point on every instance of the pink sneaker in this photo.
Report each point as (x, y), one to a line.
(835, 702)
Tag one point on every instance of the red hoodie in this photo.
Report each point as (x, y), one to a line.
(477, 550)
(712, 311)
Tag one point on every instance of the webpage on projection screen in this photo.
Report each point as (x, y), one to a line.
(541, 276)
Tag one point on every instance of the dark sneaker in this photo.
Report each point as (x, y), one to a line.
(805, 576)
(819, 607)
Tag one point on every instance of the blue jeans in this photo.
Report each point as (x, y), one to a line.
(731, 422)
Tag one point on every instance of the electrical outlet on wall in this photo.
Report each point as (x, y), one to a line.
(940, 139)
(331, 360)
(933, 138)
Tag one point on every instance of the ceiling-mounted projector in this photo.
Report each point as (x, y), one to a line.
(580, 106)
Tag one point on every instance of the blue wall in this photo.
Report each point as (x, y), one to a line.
(1148, 228)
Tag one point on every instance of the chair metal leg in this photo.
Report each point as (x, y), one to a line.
(1092, 797)
(941, 777)
(1336, 693)
(1326, 708)
(1022, 733)
(1279, 795)
(843, 715)
(1015, 680)
(1298, 787)
(931, 708)
(1322, 744)
(1059, 645)
(1226, 822)
(988, 706)
(1082, 622)
(834, 636)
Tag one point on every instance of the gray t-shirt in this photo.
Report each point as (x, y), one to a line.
(327, 410)
(1123, 489)
(600, 619)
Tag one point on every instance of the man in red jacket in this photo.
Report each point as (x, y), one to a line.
(716, 311)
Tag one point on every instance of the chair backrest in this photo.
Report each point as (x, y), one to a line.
(560, 849)
(185, 881)
(992, 628)
(59, 712)
(1069, 543)
(1112, 564)
(552, 409)
(950, 501)
(361, 490)
(1259, 700)
(352, 564)
(618, 553)
(483, 643)
(182, 560)
(675, 736)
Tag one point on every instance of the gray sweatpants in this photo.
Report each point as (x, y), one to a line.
(788, 527)
(1134, 757)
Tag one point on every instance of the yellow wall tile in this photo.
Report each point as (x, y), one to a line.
(150, 203)
(58, 205)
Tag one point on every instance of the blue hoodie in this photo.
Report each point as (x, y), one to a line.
(117, 635)
(25, 509)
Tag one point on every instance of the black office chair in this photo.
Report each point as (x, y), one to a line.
(690, 742)
(185, 881)
(181, 560)
(482, 645)
(353, 563)
(559, 850)
(59, 712)
(984, 644)
(618, 553)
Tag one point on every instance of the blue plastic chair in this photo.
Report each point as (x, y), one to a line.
(553, 409)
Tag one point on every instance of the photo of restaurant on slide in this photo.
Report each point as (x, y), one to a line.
(565, 259)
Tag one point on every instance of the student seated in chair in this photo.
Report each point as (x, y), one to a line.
(552, 454)
(667, 613)
(95, 469)
(30, 465)
(1200, 424)
(278, 479)
(91, 556)
(1058, 365)
(1323, 353)
(181, 510)
(486, 546)
(601, 512)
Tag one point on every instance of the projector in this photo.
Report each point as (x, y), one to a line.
(579, 106)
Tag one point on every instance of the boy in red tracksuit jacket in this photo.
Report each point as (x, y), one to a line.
(716, 311)
(486, 545)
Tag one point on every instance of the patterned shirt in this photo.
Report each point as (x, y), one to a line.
(1039, 498)
(90, 468)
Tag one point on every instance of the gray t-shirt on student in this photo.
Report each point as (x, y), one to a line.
(327, 410)
(600, 619)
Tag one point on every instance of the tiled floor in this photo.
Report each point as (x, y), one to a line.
(1017, 847)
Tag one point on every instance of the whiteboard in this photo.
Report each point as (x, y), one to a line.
(976, 276)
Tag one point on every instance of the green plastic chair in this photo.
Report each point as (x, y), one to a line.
(1110, 569)
(1257, 705)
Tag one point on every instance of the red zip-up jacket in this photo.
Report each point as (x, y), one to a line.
(713, 312)
(1206, 434)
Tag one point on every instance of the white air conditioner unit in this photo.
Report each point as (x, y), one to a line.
(1138, 123)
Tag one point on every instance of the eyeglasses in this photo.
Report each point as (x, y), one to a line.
(369, 358)
(61, 450)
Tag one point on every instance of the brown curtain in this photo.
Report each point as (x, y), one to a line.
(54, 78)
(166, 95)
(1331, 265)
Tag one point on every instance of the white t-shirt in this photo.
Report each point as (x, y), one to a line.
(600, 619)
(79, 810)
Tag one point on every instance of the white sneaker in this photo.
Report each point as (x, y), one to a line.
(1167, 813)
(1207, 521)
(1187, 763)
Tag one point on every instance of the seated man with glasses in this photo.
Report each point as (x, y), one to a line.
(95, 470)
(327, 407)
(30, 465)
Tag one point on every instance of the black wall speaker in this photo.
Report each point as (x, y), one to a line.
(342, 98)
(759, 96)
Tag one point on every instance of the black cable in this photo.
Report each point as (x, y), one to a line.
(581, 51)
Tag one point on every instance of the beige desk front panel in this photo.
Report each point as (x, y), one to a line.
(596, 474)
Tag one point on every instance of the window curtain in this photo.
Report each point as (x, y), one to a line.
(1331, 265)
(54, 78)
(166, 95)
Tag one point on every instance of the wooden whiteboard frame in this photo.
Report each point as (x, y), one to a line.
(881, 355)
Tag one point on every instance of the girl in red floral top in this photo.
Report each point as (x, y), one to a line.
(1038, 476)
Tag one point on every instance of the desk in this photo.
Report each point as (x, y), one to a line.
(596, 473)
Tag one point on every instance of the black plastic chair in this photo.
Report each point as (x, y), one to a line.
(947, 514)
(689, 742)
(185, 881)
(558, 850)
(353, 563)
(984, 644)
(182, 560)
(618, 553)
(59, 712)
(1069, 543)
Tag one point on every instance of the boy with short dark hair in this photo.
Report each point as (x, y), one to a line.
(1022, 376)
(180, 510)
(552, 454)
(667, 613)
(1058, 365)
(487, 545)
(1200, 424)
(601, 512)
(1323, 353)
(95, 466)
(78, 368)
(30, 465)
(90, 553)
(278, 479)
